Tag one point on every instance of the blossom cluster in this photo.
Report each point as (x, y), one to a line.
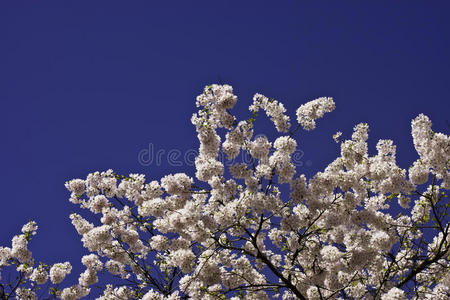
(261, 230)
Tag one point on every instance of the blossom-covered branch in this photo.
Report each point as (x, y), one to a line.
(236, 233)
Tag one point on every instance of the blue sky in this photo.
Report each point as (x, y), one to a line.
(87, 86)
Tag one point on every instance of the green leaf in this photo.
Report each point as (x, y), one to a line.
(391, 196)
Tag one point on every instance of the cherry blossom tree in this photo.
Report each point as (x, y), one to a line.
(230, 233)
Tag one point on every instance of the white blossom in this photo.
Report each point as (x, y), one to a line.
(59, 271)
(313, 110)
(241, 227)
